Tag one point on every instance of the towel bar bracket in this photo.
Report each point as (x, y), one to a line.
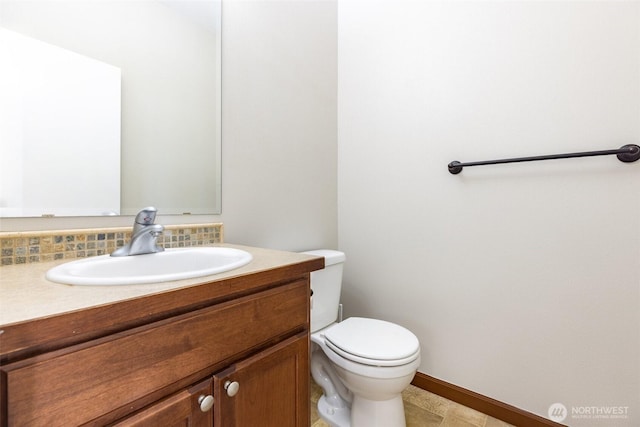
(631, 155)
(454, 167)
(627, 153)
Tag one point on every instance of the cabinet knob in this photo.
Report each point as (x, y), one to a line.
(205, 402)
(232, 388)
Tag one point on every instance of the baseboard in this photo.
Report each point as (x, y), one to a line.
(486, 405)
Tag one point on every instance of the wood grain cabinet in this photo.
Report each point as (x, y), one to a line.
(270, 389)
(266, 390)
(241, 361)
(190, 407)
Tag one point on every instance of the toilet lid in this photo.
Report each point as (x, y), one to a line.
(373, 342)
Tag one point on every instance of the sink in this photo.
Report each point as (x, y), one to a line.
(172, 264)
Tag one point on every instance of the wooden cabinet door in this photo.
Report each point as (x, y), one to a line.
(182, 409)
(271, 388)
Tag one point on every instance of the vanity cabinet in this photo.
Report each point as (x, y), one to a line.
(247, 352)
(264, 390)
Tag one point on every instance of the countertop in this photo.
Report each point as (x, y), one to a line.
(26, 295)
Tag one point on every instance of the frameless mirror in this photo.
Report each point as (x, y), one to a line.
(109, 106)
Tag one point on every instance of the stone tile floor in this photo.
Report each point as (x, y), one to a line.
(423, 409)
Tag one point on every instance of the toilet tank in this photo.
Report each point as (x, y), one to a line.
(326, 285)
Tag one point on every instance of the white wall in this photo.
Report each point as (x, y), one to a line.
(521, 281)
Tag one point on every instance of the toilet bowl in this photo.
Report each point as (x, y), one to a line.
(365, 379)
(362, 364)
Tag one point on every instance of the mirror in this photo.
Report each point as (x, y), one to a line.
(155, 91)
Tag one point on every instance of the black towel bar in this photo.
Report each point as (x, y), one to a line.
(627, 153)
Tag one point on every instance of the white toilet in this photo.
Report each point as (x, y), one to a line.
(361, 364)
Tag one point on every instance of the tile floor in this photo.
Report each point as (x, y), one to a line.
(423, 409)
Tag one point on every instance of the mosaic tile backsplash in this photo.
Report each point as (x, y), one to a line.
(41, 246)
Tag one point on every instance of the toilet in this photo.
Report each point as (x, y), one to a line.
(361, 364)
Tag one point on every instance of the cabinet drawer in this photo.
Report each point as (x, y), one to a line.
(86, 381)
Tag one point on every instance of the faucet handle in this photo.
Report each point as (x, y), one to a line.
(146, 216)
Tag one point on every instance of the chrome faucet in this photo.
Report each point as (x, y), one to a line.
(144, 236)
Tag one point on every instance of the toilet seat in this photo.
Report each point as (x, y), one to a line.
(372, 362)
(372, 342)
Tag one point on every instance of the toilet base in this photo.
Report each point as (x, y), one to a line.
(335, 417)
(364, 412)
(377, 413)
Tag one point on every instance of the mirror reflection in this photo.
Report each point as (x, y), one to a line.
(135, 113)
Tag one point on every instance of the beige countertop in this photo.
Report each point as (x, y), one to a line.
(25, 293)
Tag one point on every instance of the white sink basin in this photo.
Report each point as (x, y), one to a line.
(172, 264)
